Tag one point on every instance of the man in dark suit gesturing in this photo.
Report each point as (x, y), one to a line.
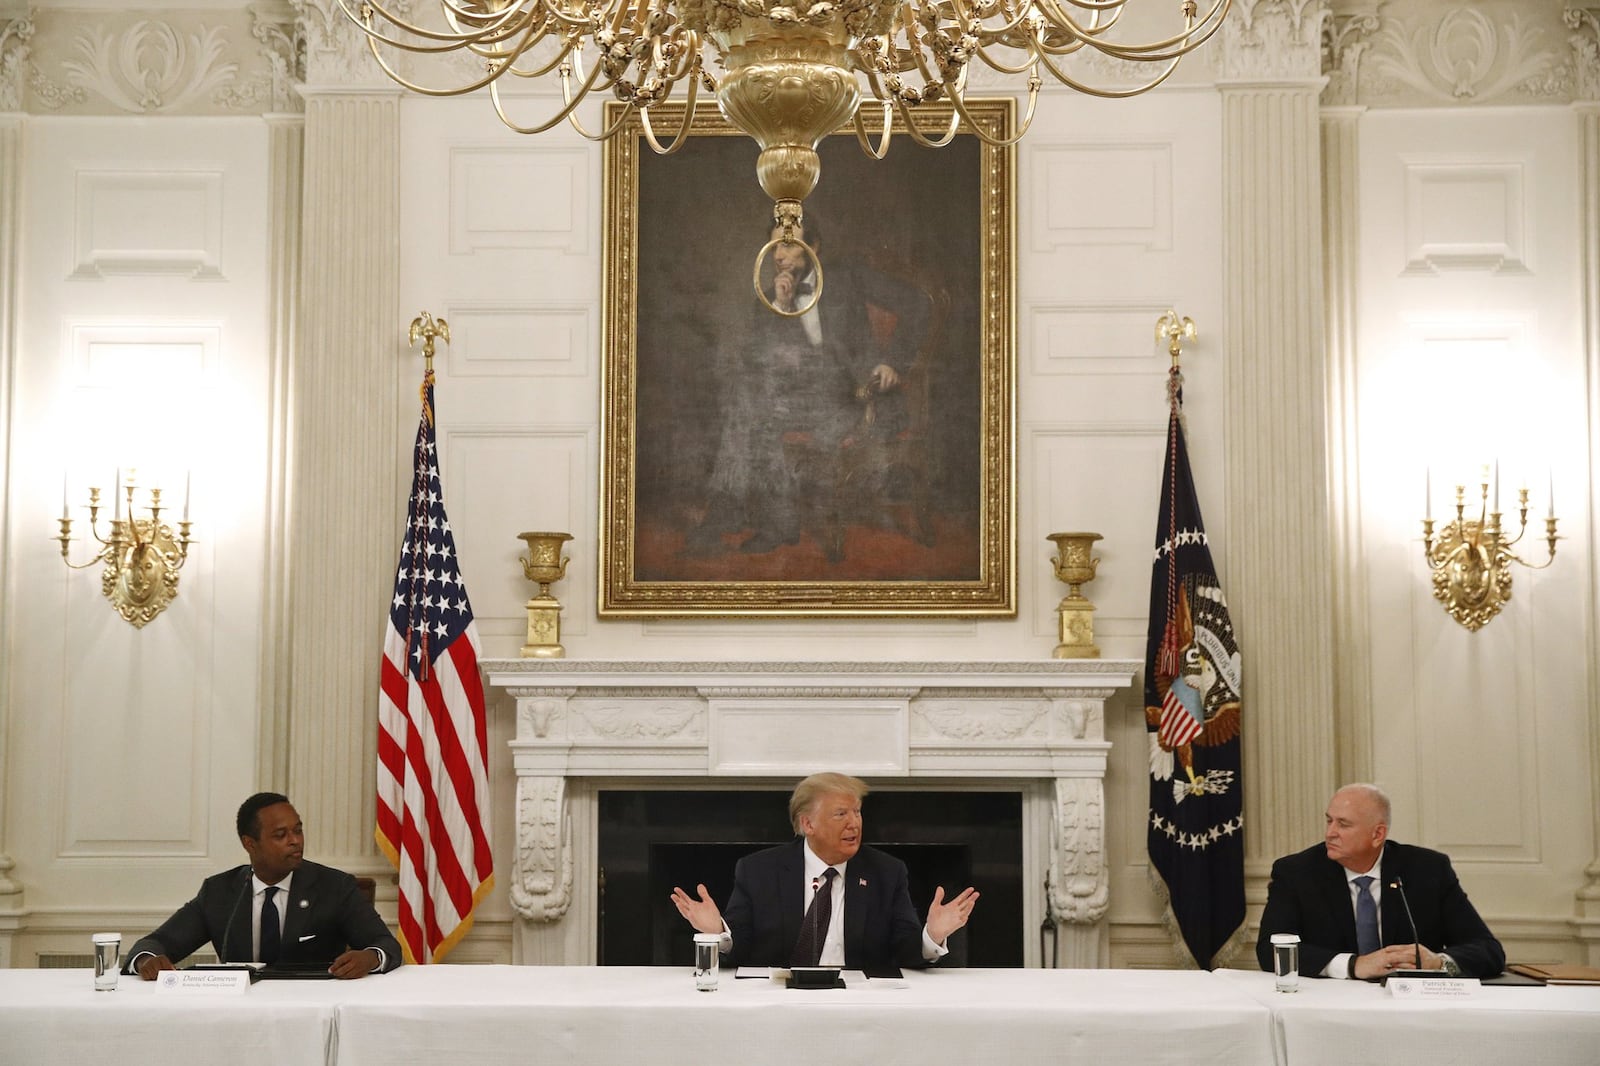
(278, 909)
(826, 899)
(1344, 898)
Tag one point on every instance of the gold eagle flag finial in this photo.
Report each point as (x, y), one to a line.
(428, 328)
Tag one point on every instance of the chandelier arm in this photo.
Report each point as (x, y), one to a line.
(555, 120)
(937, 141)
(395, 76)
(960, 103)
(1108, 94)
(864, 138)
(454, 40)
(570, 48)
(1193, 36)
(996, 64)
(683, 125)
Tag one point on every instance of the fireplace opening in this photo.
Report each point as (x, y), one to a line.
(651, 841)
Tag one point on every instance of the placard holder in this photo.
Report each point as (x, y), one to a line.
(1429, 984)
(233, 981)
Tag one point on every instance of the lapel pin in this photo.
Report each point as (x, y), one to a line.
(304, 904)
(862, 881)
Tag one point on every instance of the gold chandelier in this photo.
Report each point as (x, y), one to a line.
(789, 72)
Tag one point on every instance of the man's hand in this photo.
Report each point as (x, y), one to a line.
(783, 293)
(355, 963)
(150, 965)
(702, 913)
(884, 377)
(1385, 961)
(945, 918)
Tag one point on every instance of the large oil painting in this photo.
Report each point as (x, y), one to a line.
(853, 460)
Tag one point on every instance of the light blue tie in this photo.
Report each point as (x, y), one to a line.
(1367, 939)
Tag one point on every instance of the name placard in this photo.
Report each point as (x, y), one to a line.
(1433, 987)
(203, 982)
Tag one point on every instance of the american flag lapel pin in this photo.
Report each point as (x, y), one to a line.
(862, 881)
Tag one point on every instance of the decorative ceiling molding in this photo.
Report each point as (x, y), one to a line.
(1344, 38)
(150, 62)
(337, 54)
(1272, 40)
(14, 37)
(1584, 22)
(1421, 53)
(150, 66)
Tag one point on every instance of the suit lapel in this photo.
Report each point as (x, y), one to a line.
(238, 941)
(1336, 896)
(302, 890)
(791, 896)
(1396, 927)
(857, 902)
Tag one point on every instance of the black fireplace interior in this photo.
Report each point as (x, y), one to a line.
(651, 841)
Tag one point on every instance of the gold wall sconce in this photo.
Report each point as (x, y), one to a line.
(1471, 557)
(141, 556)
(544, 565)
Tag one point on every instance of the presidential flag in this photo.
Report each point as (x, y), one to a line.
(1191, 695)
(433, 780)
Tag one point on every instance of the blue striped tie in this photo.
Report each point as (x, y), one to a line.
(1367, 938)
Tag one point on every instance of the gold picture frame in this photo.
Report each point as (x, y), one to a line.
(738, 479)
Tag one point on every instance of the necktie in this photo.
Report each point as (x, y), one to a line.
(269, 927)
(814, 927)
(1367, 939)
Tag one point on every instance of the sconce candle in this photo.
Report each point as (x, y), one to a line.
(187, 476)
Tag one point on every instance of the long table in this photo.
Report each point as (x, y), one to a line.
(604, 1015)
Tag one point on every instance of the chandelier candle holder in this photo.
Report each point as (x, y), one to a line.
(141, 557)
(544, 564)
(1075, 565)
(785, 72)
(1471, 557)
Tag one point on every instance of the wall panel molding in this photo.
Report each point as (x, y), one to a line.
(148, 222)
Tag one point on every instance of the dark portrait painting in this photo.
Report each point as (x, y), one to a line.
(851, 457)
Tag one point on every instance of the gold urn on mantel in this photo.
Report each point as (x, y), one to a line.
(544, 565)
(1075, 565)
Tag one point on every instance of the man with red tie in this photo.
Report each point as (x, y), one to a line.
(826, 899)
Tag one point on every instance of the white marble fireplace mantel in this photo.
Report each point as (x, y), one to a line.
(1036, 727)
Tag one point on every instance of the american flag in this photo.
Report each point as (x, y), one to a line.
(433, 780)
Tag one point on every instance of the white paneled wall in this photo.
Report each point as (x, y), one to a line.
(142, 343)
(1469, 353)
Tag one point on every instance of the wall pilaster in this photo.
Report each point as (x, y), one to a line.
(1585, 42)
(346, 439)
(1279, 556)
(11, 173)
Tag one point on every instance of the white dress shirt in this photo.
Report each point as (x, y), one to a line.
(1339, 965)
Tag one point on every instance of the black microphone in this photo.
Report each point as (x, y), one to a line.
(1400, 887)
(227, 930)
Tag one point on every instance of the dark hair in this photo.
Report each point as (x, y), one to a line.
(248, 821)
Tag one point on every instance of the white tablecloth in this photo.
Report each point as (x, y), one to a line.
(549, 1015)
(1339, 1023)
(56, 1016)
